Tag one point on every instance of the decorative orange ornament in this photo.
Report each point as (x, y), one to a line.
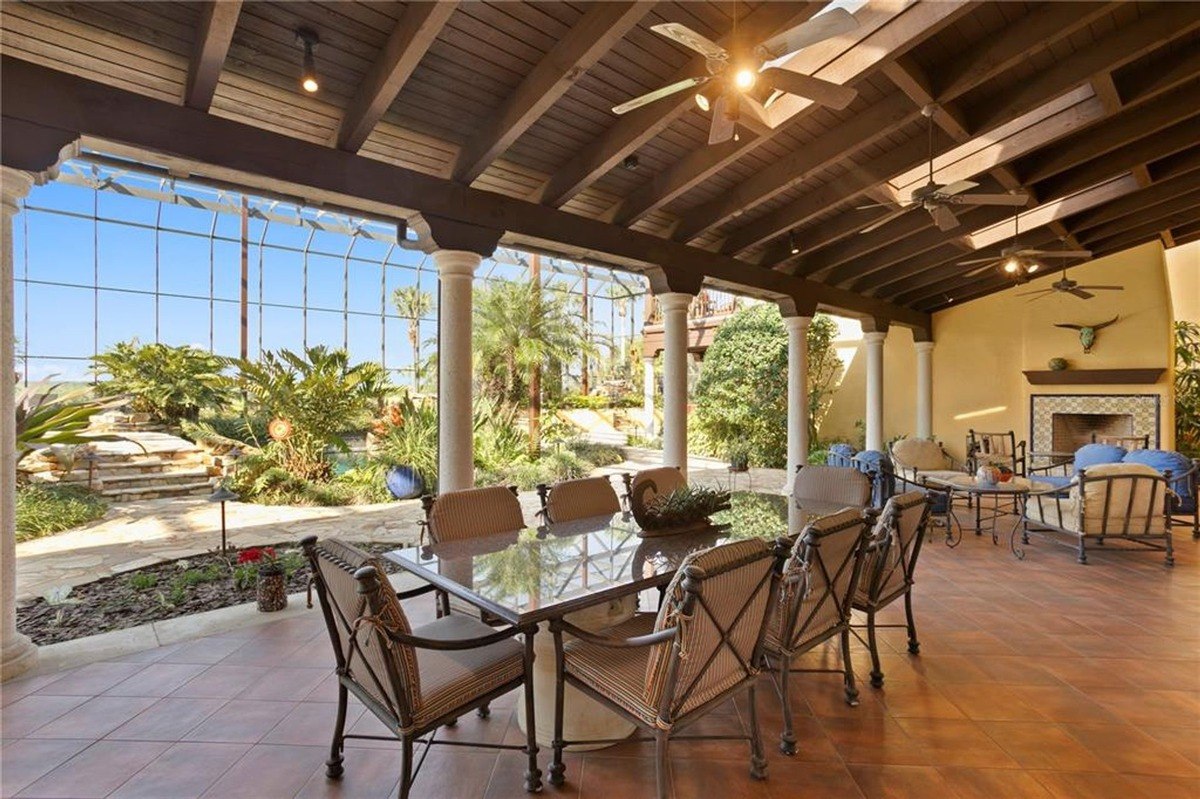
(279, 429)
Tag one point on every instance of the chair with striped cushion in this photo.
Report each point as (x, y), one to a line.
(578, 499)
(659, 480)
(833, 484)
(665, 671)
(471, 513)
(819, 581)
(888, 566)
(413, 679)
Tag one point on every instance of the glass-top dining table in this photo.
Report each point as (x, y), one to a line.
(591, 571)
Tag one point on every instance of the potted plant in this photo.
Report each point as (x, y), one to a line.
(271, 580)
(739, 459)
(683, 510)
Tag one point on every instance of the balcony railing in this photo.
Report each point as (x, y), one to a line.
(708, 302)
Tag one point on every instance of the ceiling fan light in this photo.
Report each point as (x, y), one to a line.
(702, 101)
(1033, 267)
(1012, 266)
(744, 78)
(792, 247)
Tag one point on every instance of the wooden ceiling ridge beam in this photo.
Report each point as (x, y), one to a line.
(1152, 194)
(46, 111)
(575, 53)
(634, 129)
(214, 33)
(415, 32)
(1146, 223)
(894, 35)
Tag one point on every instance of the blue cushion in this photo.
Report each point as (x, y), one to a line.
(840, 455)
(1163, 460)
(869, 460)
(1056, 480)
(1090, 455)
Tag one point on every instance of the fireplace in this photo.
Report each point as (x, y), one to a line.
(1070, 431)
(1065, 422)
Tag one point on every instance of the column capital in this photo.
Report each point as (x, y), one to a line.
(674, 300)
(443, 233)
(874, 337)
(14, 186)
(456, 263)
(923, 346)
(797, 322)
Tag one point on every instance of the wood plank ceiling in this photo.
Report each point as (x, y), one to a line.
(515, 98)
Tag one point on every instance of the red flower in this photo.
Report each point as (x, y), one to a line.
(251, 555)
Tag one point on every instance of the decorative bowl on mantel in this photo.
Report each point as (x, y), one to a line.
(1057, 364)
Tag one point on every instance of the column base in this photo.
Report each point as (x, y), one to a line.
(19, 656)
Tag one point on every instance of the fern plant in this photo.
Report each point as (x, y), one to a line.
(172, 384)
(1187, 388)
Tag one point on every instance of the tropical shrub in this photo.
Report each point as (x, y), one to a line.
(46, 508)
(46, 418)
(407, 435)
(316, 396)
(741, 396)
(169, 383)
(1187, 388)
(597, 454)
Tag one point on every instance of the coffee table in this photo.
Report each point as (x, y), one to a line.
(1001, 494)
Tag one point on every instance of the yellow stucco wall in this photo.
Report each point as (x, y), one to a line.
(982, 347)
(1183, 273)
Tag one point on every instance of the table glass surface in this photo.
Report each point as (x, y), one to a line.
(966, 482)
(542, 572)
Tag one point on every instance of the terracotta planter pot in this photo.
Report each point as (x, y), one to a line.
(272, 592)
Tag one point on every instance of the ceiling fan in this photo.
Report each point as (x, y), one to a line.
(1068, 286)
(937, 198)
(1020, 261)
(736, 72)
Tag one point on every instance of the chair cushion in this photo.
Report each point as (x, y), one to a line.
(1090, 455)
(1062, 513)
(664, 480)
(1165, 460)
(834, 484)
(1119, 502)
(1056, 480)
(869, 460)
(619, 674)
(918, 453)
(475, 512)
(839, 455)
(453, 678)
(582, 498)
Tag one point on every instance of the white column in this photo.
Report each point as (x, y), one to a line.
(456, 463)
(924, 389)
(797, 396)
(674, 307)
(874, 345)
(17, 652)
(648, 393)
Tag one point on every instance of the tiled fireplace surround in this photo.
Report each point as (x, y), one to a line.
(1143, 408)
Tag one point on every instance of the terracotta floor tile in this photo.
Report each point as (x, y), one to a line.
(285, 682)
(879, 741)
(954, 742)
(1076, 784)
(95, 718)
(370, 774)
(1064, 703)
(184, 771)
(1165, 787)
(900, 782)
(1151, 708)
(508, 777)
(446, 773)
(697, 777)
(992, 783)
(268, 770)
(221, 681)
(607, 777)
(26, 760)
(96, 771)
(92, 679)
(1130, 751)
(22, 687)
(157, 679)
(167, 719)
(206, 651)
(788, 780)
(307, 723)
(1183, 740)
(920, 699)
(28, 713)
(1042, 745)
(992, 702)
(242, 721)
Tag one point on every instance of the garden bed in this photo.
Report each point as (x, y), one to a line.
(154, 593)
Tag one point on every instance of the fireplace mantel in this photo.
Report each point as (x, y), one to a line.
(1076, 377)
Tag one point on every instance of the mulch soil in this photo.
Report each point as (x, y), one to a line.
(114, 603)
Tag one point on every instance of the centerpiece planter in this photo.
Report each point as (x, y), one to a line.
(272, 589)
(685, 510)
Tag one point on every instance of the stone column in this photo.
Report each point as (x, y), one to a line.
(17, 652)
(874, 421)
(924, 389)
(674, 307)
(648, 393)
(797, 396)
(456, 465)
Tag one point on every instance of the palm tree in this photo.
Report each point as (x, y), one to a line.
(518, 329)
(412, 304)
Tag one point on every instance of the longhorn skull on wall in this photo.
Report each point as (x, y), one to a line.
(1087, 333)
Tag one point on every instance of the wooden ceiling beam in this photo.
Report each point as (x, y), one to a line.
(583, 45)
(1145, 225)
(214, 33)
(46, 111)
(634, 129)
(1124, 45)
(892, 34)
(1154, 194)
(415, 31)
(1037, 30)
(1157, 75)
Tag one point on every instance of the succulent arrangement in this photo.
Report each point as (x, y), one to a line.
(686, 507)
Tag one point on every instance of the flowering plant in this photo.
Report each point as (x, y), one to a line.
(263, 559)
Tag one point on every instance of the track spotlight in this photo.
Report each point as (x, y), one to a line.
(308, 77)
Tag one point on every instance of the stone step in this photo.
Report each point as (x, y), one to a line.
(165, 479)
(157, 492)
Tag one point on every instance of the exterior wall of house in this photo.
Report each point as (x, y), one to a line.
(1183, 273)
(982, 347)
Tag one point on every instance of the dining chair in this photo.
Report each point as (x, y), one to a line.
(578, 499)
(888, 567)
(413, 679)
(832, 484)
(667, 670)
(661, 480)
(819, 580)
(996, 449)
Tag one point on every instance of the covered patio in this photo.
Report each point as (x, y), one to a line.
(477, 126)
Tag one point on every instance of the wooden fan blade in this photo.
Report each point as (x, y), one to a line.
(1038, 293)
(1102, 288)
(1081, 294)
(684, 35)
(982, 269)
(957, 187)
(658, 94)
(824, 26)
(1058, 253)
(1014, 200)
(973, 261)
(723, 125)
(878, 223)
(824, 92)
(944, 217)
(873, 205)
(752, 108)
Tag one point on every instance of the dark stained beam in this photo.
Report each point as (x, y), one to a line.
(214, 32)
(1155, 194)
(638, 127)
(415, 31)
(1157, 74)
(1145, 225)
(1117, 48)
(583, 45)
(1037, 30)
(45, 111)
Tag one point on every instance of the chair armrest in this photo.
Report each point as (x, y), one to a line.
(454, 643)
(1053, 491)
(559, 626)
(412, 592)
(1047, 468)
